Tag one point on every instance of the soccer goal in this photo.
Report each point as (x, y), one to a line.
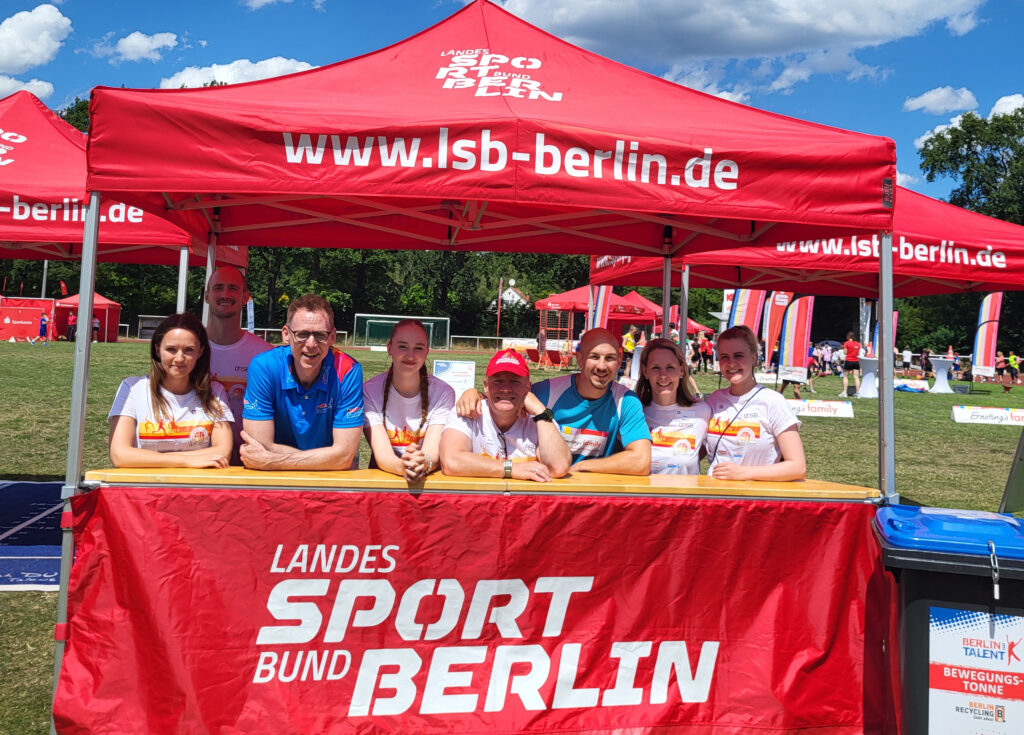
(375, 329)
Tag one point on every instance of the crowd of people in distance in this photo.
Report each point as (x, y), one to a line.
(220, 396)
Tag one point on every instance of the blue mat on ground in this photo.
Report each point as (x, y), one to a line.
(30, 535)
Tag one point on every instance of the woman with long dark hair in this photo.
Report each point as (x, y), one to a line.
(753, 434)
(176, 416)
(677, 420)
(405, 409)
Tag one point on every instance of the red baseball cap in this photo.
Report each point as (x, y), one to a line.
(508, 361)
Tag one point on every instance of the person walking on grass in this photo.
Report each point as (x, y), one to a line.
(851, 348)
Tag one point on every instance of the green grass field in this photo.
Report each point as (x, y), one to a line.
(938, 462)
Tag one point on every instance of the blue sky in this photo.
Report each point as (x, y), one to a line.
(862, 65)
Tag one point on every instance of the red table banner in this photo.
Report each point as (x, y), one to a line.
(237, 611)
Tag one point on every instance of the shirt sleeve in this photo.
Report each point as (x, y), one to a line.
(780, 415)
(441, 403)
(348, 411)
(259, 395)
(221, 395)
(123, 405)
(371, 411)
(632, 424)
(460, 424)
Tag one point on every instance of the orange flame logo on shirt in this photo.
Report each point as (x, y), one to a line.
(402, 437)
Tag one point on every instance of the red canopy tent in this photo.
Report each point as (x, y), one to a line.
(528, 145)
(692, 327)
(43, 196)
(107, 311)
(937, 248)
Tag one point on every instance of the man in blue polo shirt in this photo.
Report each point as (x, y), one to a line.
(303, 406)
(602, 421)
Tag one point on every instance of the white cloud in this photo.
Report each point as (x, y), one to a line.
(1006, 104)
(907, 180)
(137, 46)
(9, 85)
(953, 122)
(257, 4)
(31, 38)
(805, 38)
(241, 70)
(706, 78)
(942, 100)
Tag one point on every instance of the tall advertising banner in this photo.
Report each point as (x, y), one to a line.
(983, 362)
(197, 610)
(747, 306)
(796, 336)
(774, 311)
(602, 303)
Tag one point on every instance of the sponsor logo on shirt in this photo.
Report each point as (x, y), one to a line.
(585, 442)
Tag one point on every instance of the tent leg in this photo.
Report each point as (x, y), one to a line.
(666, 295)
(182, 279)
(684, 302)
(211, 264)
(76, 427)
(883, 351)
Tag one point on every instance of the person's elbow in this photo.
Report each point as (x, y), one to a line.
(559, 466)
(116, 456)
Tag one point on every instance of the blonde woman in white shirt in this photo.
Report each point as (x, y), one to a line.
(406, 409)
(753, 434)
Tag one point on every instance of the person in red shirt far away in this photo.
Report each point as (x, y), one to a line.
(851, 364)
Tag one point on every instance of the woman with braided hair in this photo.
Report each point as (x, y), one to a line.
(406, 409)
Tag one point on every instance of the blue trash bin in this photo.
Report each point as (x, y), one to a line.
(961, 582)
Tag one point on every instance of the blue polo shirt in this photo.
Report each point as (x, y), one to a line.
(597, 428)
(304, 418)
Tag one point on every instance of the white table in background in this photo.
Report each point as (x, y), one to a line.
(941, 367)
(868, 377)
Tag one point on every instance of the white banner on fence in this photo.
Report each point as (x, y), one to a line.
(769, 378)
(830, 409)
(988, 415)
(793, 374)
(986, 371)
(459, 374)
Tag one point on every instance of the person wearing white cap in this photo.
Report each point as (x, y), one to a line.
(514, 436)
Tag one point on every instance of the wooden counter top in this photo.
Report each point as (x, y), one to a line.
(580, 483)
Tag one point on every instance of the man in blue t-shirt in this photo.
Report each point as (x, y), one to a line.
(303, 407)
(602, 421)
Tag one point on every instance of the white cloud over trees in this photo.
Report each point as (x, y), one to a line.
(241, 70)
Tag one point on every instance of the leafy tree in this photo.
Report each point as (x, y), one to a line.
(77, 114)
(986, 157)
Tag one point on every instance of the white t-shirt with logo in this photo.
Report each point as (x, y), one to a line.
(743, 429)
(677, 436)
(188, 427)
(519, 443)
(405, 415)
(229, 366)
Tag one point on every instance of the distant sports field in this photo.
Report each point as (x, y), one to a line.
(938, 462)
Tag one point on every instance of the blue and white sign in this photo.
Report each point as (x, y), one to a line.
(459, 374)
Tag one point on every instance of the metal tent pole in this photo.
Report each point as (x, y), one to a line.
(76, 427)
(182, 278)
(666, 295)
(883, 351)
(684, 302)
(211, 265)
(42, 290)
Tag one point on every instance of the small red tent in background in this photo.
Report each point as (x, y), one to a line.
(108, 312)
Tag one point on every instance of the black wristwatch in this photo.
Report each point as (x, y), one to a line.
(545, 415)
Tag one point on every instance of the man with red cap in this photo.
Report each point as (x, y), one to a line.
(514, 436)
